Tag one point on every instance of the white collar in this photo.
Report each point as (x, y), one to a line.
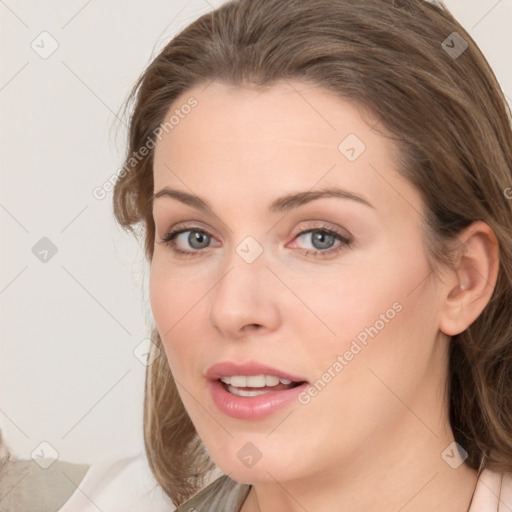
(493, 492)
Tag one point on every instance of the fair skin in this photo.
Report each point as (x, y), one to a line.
(372, 438)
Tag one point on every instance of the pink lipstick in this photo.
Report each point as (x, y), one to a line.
(252, 391)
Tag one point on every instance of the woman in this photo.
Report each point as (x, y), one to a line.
(323, 191)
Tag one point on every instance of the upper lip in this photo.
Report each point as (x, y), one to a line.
(229, 368)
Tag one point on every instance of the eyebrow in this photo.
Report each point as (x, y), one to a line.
(281, 204)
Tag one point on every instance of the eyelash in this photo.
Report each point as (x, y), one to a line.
(171, 235)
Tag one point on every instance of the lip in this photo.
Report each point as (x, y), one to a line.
(255, 407)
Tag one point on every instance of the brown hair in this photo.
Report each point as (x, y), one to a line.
(444, 110)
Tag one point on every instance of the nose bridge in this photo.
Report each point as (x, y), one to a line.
(243, 296)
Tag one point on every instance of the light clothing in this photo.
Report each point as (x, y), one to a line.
(125, 485)
(491, 486)
(226, 495)
(26, 486)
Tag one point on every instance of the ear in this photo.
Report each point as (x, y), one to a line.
(471, 284)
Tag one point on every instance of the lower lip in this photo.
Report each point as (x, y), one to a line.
(252, 407)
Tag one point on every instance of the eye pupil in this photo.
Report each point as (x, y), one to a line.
(198, 237)
(321, 237)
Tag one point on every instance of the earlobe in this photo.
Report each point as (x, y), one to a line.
(472, 281)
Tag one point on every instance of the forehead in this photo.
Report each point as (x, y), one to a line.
(290, 135)
(284, 113)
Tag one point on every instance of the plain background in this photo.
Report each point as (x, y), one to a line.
(69, 325)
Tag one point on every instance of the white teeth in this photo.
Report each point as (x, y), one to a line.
(239, 381)
(243, 392)
(253, 381)
(271, 380)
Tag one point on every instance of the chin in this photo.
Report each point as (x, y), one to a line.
(247, 471)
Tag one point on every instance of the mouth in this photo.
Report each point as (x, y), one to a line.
(252, 391)
(256, 385)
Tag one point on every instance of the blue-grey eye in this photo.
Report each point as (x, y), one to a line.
(319, 239)
(197, 239)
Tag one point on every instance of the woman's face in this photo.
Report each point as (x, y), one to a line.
(332, 292)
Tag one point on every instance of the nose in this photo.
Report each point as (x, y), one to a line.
(246, 298)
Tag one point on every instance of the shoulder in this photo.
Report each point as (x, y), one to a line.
(222, 494)
(27, 485)
(120, 485)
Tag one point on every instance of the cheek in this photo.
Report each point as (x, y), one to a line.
(384, 316)
(176, 304)
(392, 323)
(367, 285)
(382, 311)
